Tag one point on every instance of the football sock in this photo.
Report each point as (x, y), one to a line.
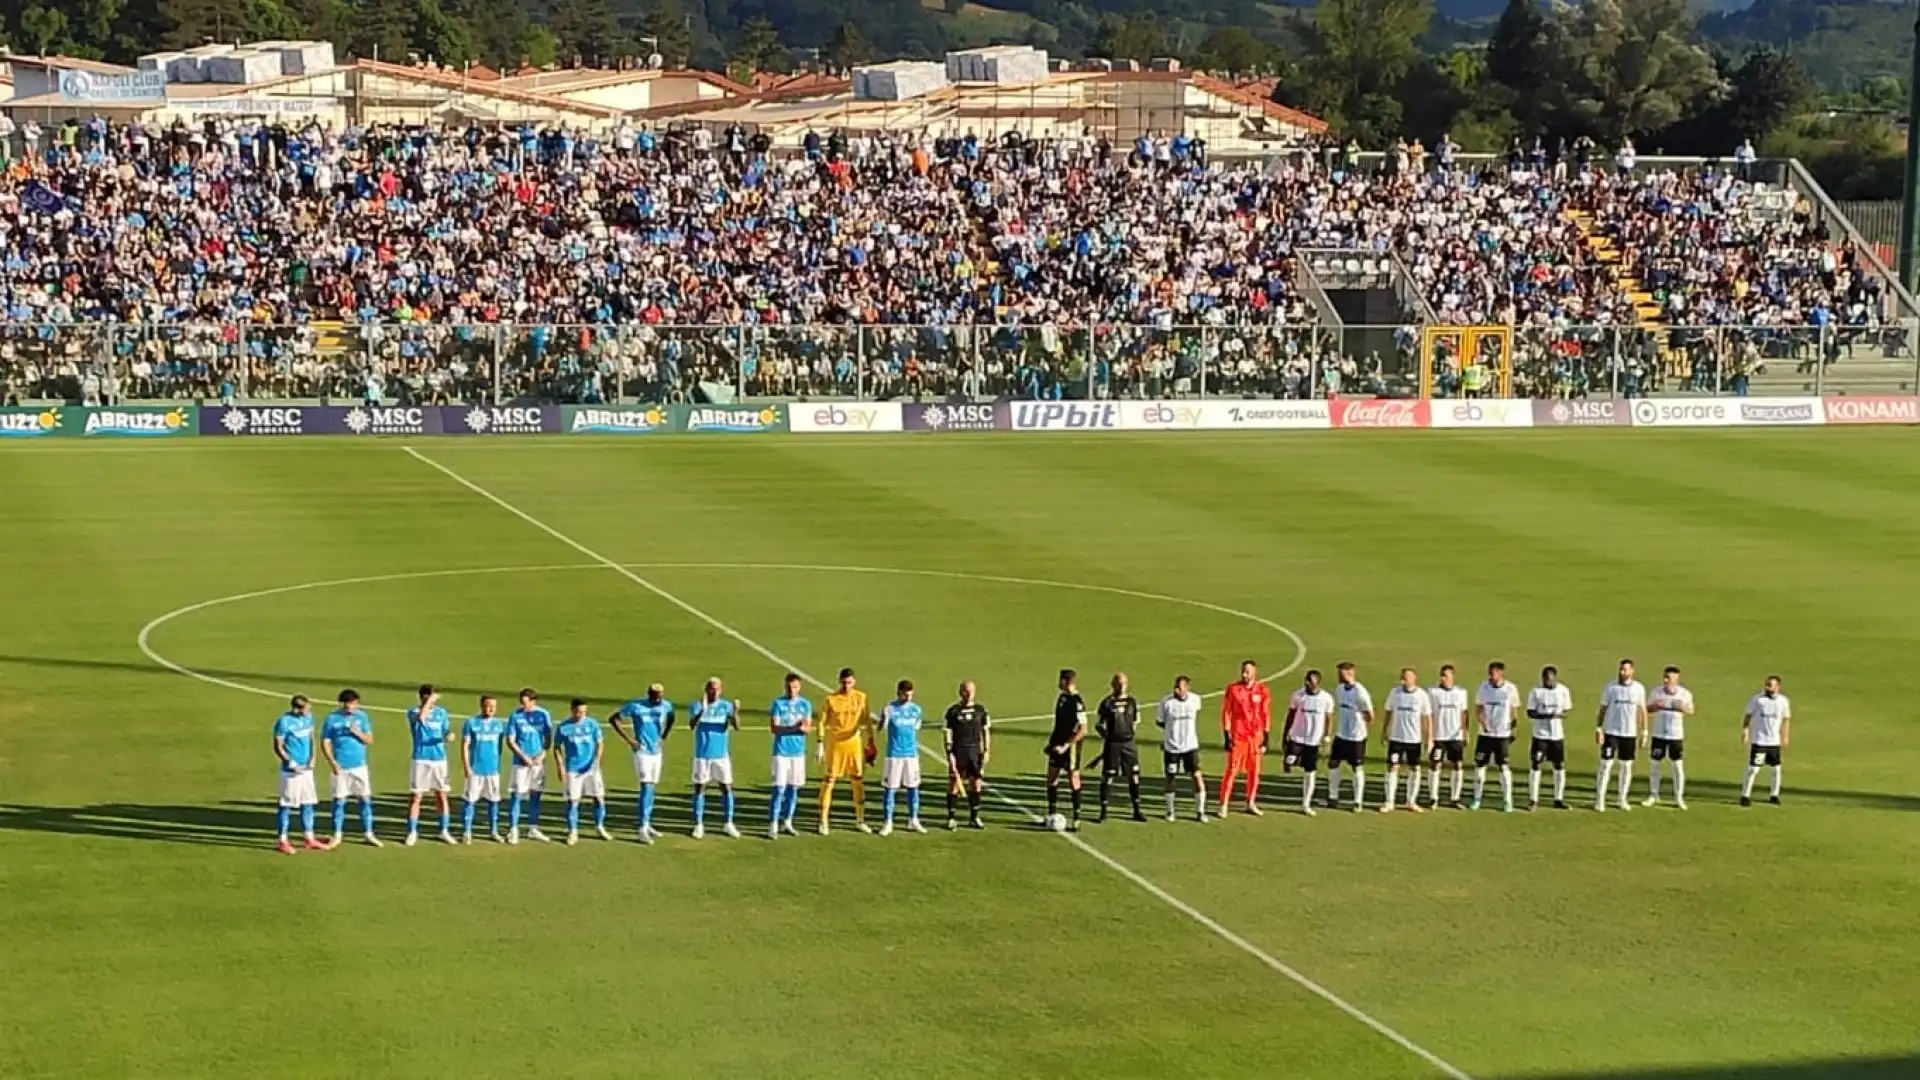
(1074, 796)
(1776, 781)
(826, 802)
(600, 813)
(573, 816)
(1170, 806)
(513, 812)
(1359, 787)
(950, 802)
(777, 803)
(1053, 799)
(699, 808)
(1559, 785)
(973, 804)
(1459, 778)
(886, 801)
(793, 803)
(1253, 784)
(1105, 785)
(366, 815)
(284, 815)
(446, 819)
(1393, 783)
(646, 805)
(859, 799)
(726, 803)
(533, 810)
(1413, 788)
(1626, 783)
(339, 816)
(913, 804)
(413, 824)
(1133, 793)
(466, 816)
(1333, 786)
(1479, 782)
(1746, 782)
(1653, 778)
(306, 820)
(1605, 778)
(1506, 784)
(1533, 785)
(493, 815)
(1679, 781)
(1306, 789)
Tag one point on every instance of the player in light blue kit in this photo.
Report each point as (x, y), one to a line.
(652, 719)
(480, 740)
(430, 727)
(900, 723)
(344, 739)
(578, 742)
(713, 718)
(529, 736)
(790, 718)
(293, 745)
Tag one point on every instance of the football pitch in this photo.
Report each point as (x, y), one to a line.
(163, 600)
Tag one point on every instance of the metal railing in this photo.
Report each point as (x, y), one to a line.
(504, 364)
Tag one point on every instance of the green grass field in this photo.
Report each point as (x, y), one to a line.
(152, 932)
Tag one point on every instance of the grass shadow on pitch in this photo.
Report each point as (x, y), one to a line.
(322, 688)
(1905, 1067)
(233, 823)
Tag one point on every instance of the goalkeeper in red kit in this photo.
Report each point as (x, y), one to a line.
(1246, 715)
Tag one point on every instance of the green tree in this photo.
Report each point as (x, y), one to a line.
(1137, 37)
(846, 47)
(585, 30)
(1358, 53)
(1235, 50)
(500, 31)
(381, 29)
(1520, 61)
(1768, 89)
(1629, 67)
(759, 48)
(667, 23)
(42, 30)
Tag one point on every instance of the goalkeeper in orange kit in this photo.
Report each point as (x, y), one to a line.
(846, 745)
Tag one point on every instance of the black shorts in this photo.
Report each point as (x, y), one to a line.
(1304, 755)
(1181, 762)
(1404, 753)
(1551, 752)
(1491, 748)
(1120, 759)
(1451, 751)
(1348, 752)
(1667, 749)
(1068, 760)
(1618, 748)
(969, 763)
(1763, 755)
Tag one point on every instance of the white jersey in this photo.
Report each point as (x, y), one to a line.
(1549, 706)
(1497, 706)
(1181, 719)
(1310, 713)
(1622, 702)
(1405, 709)
(1767, 718)
(1669, 709)
(1355, 706)
(1449, 713)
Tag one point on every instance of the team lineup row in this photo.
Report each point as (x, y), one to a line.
(1425, 731)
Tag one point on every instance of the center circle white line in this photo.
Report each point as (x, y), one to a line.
(144, 640)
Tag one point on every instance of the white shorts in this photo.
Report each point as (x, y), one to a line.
(485, 787)
(586, 785)
(713, 771)
(354, 783)
(427, 776)
(646, 767)
(296, 789)
(527, 779)
(790, 771)
(900, 772)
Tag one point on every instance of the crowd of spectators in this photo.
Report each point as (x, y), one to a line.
(202, 260)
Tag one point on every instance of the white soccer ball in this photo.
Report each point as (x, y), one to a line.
(1057, 822)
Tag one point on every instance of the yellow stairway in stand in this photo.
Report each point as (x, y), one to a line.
(1650, 315)
(329, 337)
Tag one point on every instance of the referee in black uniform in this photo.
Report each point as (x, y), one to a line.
(1063, 746)
(969, 743)
(1118, 716)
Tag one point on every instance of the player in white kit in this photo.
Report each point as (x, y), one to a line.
(1307, 716)
(1409, 732)
(1622, 721)
(1496, 703)
(1668, 706)
(1353, 710)
(1449, 734)
(1765, 729)
(1547, 706)
(1178, 716)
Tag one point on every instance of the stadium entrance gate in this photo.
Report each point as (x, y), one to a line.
(1466, 361)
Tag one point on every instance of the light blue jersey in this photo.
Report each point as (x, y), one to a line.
(710, 719)
(790, 712)
(578, 742)
(348, 752)
(295, 733)
(485, 733)
(430, 732)
(902, 723)
(649, 720)
(531, 730)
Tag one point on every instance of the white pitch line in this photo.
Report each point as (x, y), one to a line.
(1106, 860)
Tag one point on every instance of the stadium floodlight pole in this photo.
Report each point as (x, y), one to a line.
(1910, 190)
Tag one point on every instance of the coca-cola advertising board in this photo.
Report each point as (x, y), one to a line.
(1380, 413)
